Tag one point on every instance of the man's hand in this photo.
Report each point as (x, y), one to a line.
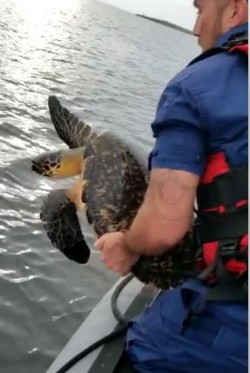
(115, 254)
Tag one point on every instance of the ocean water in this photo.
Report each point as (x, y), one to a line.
(107, 66)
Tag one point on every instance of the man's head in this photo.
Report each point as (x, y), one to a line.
(215, 17)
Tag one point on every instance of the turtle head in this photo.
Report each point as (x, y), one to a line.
(61, 224)
(64, 163)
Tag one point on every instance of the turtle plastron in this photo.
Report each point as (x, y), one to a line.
(75, 194)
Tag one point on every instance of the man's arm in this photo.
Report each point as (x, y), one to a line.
(165, 214)
(176, 163)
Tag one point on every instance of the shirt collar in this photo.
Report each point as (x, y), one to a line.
(242, 29)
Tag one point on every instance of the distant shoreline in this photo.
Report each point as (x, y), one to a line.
(165, 23)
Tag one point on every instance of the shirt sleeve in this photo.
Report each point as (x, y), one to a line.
(178, 131)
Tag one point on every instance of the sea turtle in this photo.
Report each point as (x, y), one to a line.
(109, 191)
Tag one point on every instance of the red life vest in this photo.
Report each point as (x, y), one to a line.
(221, 226)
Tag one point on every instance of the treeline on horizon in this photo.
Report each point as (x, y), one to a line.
(165, 23)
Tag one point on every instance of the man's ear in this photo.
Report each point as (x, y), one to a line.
(239, 13)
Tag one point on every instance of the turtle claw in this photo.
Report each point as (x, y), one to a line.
(60, 221)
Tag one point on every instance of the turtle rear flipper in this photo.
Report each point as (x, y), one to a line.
(74, 132)
(61, 224)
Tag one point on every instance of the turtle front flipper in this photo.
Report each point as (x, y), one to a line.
(60, 221)
(70, 129)
(64, 163)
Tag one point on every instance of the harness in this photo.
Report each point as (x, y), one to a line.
(221, 224)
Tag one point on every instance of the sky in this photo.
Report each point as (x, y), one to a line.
(180, 12)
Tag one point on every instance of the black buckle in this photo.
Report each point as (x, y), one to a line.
(228, 249)
(237, 39)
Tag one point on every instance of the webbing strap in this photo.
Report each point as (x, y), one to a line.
(213, 226)
(228, 287)
(225, 190)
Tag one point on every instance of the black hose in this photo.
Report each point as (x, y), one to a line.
(116, 333)
(116, 312)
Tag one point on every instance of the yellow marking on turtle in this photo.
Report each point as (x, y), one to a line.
(76, 191)
(71, 163)
(60, 164)
(75, 194)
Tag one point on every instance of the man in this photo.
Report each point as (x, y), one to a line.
(202, 112)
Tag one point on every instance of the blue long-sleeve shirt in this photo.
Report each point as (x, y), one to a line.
(203, 110)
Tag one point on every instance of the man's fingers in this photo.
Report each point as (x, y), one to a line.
(99, 243)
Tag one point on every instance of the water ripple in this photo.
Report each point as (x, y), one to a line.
(107, 66)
